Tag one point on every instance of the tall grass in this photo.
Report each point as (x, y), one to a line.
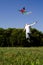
(21, 56)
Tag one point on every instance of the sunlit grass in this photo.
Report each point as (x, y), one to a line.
(21, 56)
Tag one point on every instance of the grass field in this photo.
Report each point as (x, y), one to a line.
(21, 56)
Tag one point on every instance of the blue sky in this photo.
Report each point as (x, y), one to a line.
(10, 17)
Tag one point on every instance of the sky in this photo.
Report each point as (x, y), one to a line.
(10, 17)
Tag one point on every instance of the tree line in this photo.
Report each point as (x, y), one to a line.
(13, 37)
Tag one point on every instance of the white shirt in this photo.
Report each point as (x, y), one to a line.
(27, 27)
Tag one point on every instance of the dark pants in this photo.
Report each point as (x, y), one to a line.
(28, 35)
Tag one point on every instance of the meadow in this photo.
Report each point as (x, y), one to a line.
(21, 55)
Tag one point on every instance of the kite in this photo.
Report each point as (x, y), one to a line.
(23, 11)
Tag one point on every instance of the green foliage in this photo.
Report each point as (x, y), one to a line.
(16, 37)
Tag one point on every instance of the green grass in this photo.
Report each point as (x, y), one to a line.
(21, 56)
